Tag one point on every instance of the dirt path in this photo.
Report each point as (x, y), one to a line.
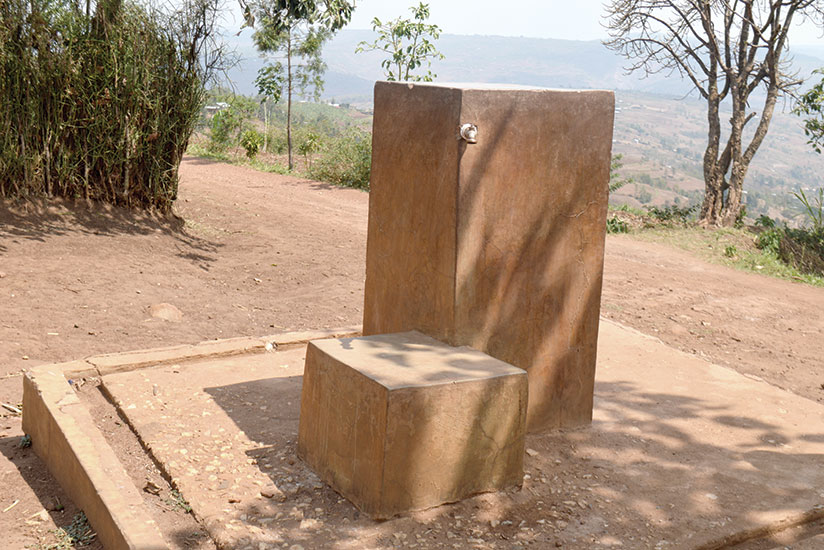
(754, 324)
(256, 253)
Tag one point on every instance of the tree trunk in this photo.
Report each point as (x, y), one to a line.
(714, 180)
(289, 98)
(266, 125)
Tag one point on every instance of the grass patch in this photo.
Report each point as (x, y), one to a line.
(200, 150)
(75, 535)
(344, 160)
(177, 502)
(734, 248)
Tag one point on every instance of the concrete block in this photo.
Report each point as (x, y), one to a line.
(402, 422)
(64, 436)
(498, 244)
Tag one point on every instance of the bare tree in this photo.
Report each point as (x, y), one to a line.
(734, 50)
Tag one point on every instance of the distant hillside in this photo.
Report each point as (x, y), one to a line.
(663, 141)
(659, 128)
(512, 60)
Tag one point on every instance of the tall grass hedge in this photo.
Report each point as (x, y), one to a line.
(98, 98)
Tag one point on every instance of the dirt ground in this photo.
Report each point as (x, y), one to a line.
(251, 253)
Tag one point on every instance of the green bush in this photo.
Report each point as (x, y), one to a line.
(223, 128)
(770, 240)
(310, 144)
(644, 196)
(228, 126)
(251, 140)
(346, 160)
(617, 225)
(276, 142)
(100, 106)
(800, 248)
(765, 221)
(672, 213)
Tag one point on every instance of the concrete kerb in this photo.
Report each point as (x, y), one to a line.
(65, 437)
(789, 522)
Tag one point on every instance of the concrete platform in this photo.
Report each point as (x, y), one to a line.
(681, 454)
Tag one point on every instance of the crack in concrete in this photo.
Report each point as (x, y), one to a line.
(587, 207)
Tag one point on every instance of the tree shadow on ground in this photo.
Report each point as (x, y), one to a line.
(654, 466)
(41, 219)
(49, 494)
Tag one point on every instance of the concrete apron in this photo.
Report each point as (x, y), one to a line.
(681, 454)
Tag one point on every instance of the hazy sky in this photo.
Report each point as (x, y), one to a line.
(563, 19)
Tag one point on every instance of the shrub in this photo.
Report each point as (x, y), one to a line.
(251, 140)
(346, 160)
(100, 106)
(803, 249)
(800, 248)
(739, 219)
(276, 142)
(310, 144)
(770, 240)
(814, 209)
(765, 221)
(672, 213)
(223, 128)
(617, 225)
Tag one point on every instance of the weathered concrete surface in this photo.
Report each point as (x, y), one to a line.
(402, 422)
(199, 423)
(63, 434)
(682, 454)
(498, 245)
(131, 360)
(705, 453)
(75, 452)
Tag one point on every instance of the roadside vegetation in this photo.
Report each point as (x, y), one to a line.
(763, 246)
(100, 98)
(333, 142)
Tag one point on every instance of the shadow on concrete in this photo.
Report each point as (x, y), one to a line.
(636, 475)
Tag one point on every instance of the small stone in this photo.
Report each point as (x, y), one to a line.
(167, 312)
(2, 275)
(53, 504)
(273, 492)
(532, 452)
(152, 488)
(494, 523)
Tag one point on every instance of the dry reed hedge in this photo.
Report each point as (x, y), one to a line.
(98, 99)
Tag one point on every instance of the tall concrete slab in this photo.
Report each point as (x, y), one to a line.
(497, 244)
